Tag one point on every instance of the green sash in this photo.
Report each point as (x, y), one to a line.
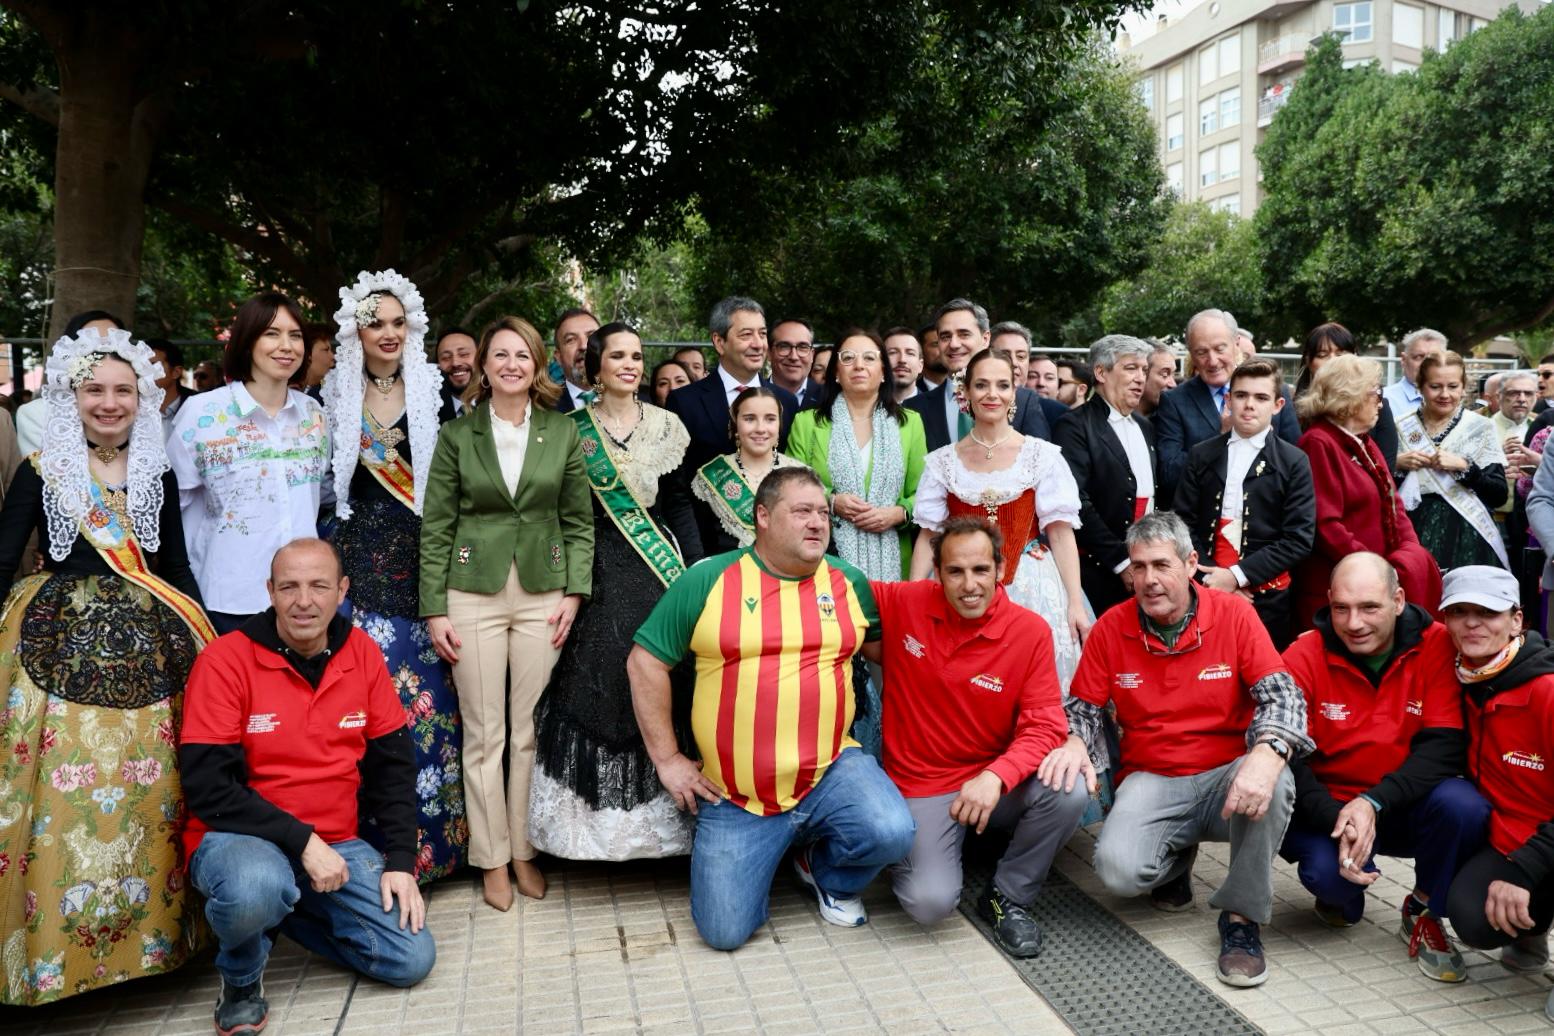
(729, 487)
(629, 516)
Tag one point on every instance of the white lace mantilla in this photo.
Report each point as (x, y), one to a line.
(562, 824)
(62, 459)
(343, 386)
(656, 447)
(1040, 466)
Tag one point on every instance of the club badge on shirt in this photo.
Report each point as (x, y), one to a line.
(914, 647)
(827, 605)
(1334, 710)
(988, 682)
(1217, 671)
(263, 723)
(353, 720)
(1526, 760)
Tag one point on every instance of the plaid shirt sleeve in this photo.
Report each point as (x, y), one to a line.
(1085, 723)
(1280, 713)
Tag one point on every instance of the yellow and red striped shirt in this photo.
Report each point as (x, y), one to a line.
(774, 694)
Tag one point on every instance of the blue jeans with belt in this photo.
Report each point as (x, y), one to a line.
(855, 820)
(252, 888)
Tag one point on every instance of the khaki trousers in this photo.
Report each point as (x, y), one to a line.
(504, 636)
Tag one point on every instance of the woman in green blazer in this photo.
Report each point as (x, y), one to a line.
(507, 544)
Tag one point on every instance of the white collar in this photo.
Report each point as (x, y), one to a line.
(1115, 416)
(247, 404)
(730, 385)
(1256, 441)
(528, 408)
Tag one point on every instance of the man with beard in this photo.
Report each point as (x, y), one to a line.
(1075, 383)
(933, 367)
(572, 332)
(455, 354)
(1160, 378)
(792, 352)
(904, 357)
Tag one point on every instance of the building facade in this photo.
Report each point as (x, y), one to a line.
(1214, 75)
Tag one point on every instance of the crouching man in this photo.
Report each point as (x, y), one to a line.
(285, 720)
(1208, 718)
(971, 708)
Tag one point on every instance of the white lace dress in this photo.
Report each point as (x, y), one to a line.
(1024, 498)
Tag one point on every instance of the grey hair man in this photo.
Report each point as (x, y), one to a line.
(1211, 718)
(1161, 377)
(1513, 422)
(1110, 449)
(1013, 338)
(1403, 394)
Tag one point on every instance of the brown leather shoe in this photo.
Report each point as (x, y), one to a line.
(530, 881)
(1241, 960)
(498, 890)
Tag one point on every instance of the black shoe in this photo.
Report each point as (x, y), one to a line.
(1014, 929)
(241, 1009)
(1175, 895)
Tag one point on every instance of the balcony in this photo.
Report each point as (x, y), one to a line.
(1273, 98)
(1282, 53)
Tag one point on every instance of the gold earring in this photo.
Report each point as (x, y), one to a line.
(1012, 408)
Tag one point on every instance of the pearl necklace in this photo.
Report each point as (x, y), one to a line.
(988, 447)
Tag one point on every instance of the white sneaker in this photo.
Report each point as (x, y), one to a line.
(1528, 955)
(844, 912)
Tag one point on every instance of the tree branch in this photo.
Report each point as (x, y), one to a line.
(39, 101)
(271, 246)
(1518, 322)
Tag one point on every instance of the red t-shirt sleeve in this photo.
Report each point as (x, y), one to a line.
(1306, 663)
(1258, 657)
(1041, 725)
(885, 596)
(385, 713)
(1442, 694)
(213, 699)
(1092, 680)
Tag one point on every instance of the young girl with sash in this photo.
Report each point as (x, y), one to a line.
(595, 794)
(1455, 470)
(382, 400)
(94, 651)
(726, 484)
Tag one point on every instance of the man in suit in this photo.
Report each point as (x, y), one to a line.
(1195, 410)
(455, 355)
(738, 327)
(792, 352)
(963, 331)
(1110, 449)
(1248, 500)
(1161, 378)
(572, 332)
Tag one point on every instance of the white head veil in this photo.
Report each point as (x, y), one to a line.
(62, 461)
(342, 389)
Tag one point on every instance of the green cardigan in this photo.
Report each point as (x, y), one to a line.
(809, 441)
(472, 531)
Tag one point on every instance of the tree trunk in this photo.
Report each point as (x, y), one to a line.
(106, 143)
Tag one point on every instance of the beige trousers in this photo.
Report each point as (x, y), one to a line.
(504, 635)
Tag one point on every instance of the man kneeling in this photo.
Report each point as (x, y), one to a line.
(1208, 717)
(285, 719)
(971, 707)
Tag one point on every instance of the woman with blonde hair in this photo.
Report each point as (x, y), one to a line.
(507, 546)
(1357, 506)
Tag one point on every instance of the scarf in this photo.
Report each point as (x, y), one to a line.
(1491, 668)
(878, 554)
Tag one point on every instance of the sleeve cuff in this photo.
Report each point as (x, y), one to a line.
(399, 860)
(1235, 570)
(1122, 565)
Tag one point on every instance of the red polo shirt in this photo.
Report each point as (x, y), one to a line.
(1512, 741)
(301, 746)
(1187, 710)
(962, 697)
(1363, 732)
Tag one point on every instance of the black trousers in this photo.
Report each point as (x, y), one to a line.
(1465, 904)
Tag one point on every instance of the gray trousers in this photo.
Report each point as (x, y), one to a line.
(928, 881)
(1155, 820)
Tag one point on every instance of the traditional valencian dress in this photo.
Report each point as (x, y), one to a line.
(379, 478)
(94, 652)
(1453, 516)
(1022, 499)
(723, 486)
(595, 794)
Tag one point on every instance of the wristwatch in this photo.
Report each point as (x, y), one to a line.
(1279, 745)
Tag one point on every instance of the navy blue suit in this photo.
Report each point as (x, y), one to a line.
(1028, 416)
(1187, 416)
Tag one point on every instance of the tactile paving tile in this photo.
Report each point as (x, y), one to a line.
(1104, 978)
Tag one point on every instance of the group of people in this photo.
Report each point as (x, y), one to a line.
(290, 651)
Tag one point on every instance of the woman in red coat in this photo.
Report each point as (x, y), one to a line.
(1357, 506)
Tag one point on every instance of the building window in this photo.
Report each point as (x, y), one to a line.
(1230, 55)
(1146, 89)
(1174, 178)
(1230, 108)
(1208, 167)
(1408, 26)
(1208, 64)
(1174, 131)
(1173, 84)
(1229, 160)
(1208, 116)
(1230, 203)
(1475, 24)
(1400, 67)
(1353, 22)
(1446, 28)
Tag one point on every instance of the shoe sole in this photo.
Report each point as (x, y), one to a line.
(1522, 969)
(808, 881)
(1442, 976)
(239, 1030)
(1242, 981)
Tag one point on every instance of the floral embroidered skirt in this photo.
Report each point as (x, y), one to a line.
(92, 884)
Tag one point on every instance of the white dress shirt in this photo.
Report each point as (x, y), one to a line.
(577, 393)
(1133, 444)
(951, 410)
(1239, 456)
(248, 484)
(732, 388)
(512, 444)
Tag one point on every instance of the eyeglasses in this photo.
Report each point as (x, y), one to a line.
(849, 358)
(1157, 647)
(1545, 374)
(789, 348)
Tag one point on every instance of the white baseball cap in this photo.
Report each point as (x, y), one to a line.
(1488, 586)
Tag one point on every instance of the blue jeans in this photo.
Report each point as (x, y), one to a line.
(252, 888)
(856, 820)
(1440, 831)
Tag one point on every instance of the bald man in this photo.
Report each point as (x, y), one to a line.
(1385, 710)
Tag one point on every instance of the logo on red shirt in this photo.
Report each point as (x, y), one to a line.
(1335, 710)
(1415, 708)
(988, 682)
(352, 720)
(827, 605)
(1218, 671)
(262, 723)
(914, 647)
(1129, 681)
(1526, 760)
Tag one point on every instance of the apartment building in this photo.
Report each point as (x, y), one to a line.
(1213, 74)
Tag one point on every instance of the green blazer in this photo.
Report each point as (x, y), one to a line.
(809, 441)
(472, 531)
